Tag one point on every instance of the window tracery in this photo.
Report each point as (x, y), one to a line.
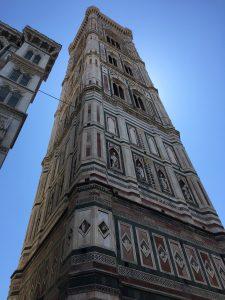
(118, 90)
(138, 101)
(112, 42)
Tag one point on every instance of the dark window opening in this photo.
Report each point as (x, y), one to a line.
(25, 79)
(14, 99)
(37, 59)
(15, 74)
(29, 54)
(4, 91)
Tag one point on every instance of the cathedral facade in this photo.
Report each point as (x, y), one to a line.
(120, 212)
(26, 59)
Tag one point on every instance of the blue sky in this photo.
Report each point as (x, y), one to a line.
(182, 44)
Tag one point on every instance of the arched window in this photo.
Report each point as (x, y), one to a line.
(141, 104)
(112, 60)
(118, 90)
(15, 74)
(117, 45)
(121, 92)
(133, 135)
(112, 42)
(128, 70)
(115, 89)
(37, 59)
(114, 159)
(29, 54)
(138, 102)
(111, 123)
(4, 92)
(25, 79)
(14, 99)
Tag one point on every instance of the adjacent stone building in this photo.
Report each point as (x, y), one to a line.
(120, 212)
(26, 60)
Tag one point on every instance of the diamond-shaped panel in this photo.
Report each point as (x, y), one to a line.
(162, 254)
(145, 248)
(84, 227)
(179, 260)
(104, 229)
(126, 242)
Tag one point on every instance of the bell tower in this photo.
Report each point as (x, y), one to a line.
(120, 212)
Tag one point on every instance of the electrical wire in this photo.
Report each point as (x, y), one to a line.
(47, 94)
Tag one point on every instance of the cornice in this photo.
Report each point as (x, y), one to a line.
(29, 66)
(28, 29)
(90, 10)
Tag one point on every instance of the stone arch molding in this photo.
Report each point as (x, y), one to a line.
(117, 78)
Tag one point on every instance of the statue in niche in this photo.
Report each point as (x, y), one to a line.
(114, 159)
(163, 181)
(140, 170)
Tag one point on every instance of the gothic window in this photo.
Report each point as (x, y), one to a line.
(128, 70)
(114, 159)
(15, 74)
(29, 54)
(171, 154)
(121, 92)
(4, 92)
(163, 181)
(140, 170)
(133, 135)
(111, 124)
(24, 80)
(186, 191)
(112, 42)
(112, 60)
(36, 59)
(152, 145)
(14, 99)
(118, 90)
(117, 45)
(138, 102)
